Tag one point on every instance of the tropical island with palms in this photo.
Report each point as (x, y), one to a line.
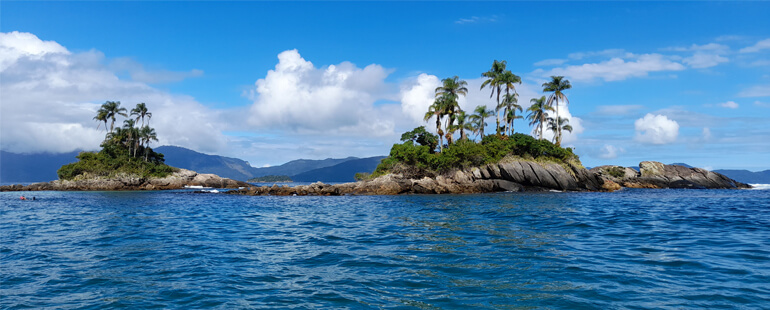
(424, 163)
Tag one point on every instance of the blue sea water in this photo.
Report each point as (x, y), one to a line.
(633, 249)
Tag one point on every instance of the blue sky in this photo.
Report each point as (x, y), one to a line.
(270, 82)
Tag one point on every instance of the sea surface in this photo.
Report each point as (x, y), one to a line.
(632, 249)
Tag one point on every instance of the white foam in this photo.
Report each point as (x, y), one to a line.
(193, 186)
(760, 186)
(211, 191)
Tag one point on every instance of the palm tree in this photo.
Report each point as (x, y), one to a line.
(437, 109)
(538, 112)
(101, 116)
(557, 86)
(563, 125)
(112, 109)
(147, 134)
(463, 124)
(450, 90)
(510, 102)
(132, 133)
(141, 112)
(507, 80)
(494, 77)
(478, 118)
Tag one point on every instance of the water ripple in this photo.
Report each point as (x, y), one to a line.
(635, 249)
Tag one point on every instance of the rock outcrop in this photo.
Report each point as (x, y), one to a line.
(653, 174)
(177, 180)
(511, 174)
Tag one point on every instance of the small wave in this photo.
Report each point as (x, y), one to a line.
(211, 191)
(193, 186)
(760, 186)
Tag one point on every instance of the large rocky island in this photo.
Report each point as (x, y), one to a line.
(513, 174)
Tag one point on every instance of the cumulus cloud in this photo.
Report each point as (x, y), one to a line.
(417, 97)
(297, 95)
(729, 105)
(615, 69)
(575, 122)
(656, 129)
(761, 45)
(610, 151)
(50, 96)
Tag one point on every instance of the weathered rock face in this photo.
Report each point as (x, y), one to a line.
(657, 175)
(509, 175)
(177, 180)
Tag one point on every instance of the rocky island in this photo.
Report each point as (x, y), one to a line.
(125, 162)
(498, 163)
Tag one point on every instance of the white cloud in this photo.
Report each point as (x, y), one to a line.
(729, 105)
(139, 74)
(615, 69)
(477, 19)
(567, 137)
(760, 63)
(416, 98)
(704, 60)
(706, 134)
(614, 52)
(710, 47)
(618, 109)
(756, 91)
(761, 104)
(761, 45)
(610, 151)
(50, 95)
(337, 98)
(656, 129)
(16, 45)
(728, 38)
(550, 62)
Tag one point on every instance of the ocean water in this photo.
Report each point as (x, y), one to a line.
(633, 249)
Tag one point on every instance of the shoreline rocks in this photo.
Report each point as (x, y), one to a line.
(653, 174)
(510, 174)
(176, 180)
(515, 175)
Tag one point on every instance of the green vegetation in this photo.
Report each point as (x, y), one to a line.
(271, 178)
(417, 155)
(363, 176)
(420, 160)
(616, 171)
(125, 150)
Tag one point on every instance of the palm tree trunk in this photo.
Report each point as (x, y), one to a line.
(558, 127)
(438, 132)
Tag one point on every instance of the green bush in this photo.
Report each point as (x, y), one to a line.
(616, 171)
(111, 161)
(467, 153)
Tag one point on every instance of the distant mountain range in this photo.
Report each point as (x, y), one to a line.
(28, 168)
(43, 167)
